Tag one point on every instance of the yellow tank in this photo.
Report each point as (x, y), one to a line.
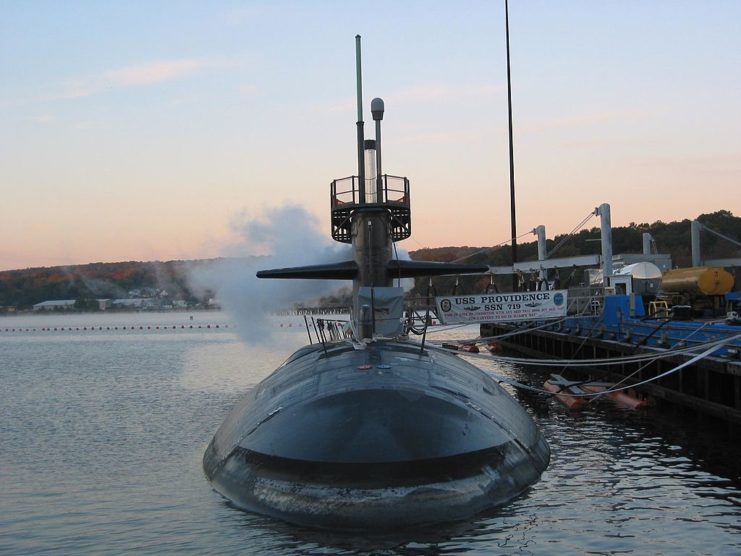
(705, 280)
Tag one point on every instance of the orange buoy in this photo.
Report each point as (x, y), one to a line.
(494, 347)
(566, 392)
(625, 398)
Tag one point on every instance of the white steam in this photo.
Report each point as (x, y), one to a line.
(282, 237)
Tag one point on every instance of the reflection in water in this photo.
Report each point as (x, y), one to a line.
(420, 540)
(102, 437)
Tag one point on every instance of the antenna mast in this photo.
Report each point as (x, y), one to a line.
(361, 152)
(511, 156)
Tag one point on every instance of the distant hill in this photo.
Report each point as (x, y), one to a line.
(671, 238)
(24, 288)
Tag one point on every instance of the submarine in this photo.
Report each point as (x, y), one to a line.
(374, 431)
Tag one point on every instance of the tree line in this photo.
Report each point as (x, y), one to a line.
(671, 238)
(85, 283)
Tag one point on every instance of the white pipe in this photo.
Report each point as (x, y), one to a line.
(695, 236)
(606, 235)
(540, 231)
(647, 239)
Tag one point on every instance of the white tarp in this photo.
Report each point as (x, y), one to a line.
(502, 307)
(640, 271)
(387, 309)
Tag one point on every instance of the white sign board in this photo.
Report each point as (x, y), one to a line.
(502, 307)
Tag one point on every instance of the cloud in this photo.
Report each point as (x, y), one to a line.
(248, 89)
(346, 104)
(153, 72)
(715, 163)
(585, 119)
(134, 75)
(43, 119)
(420, 94)
(442, 92)
(87, 124)
(446, 137)
(244, 14)
(185, 100)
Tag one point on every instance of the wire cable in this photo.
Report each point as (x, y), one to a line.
(578, 227)
(516, 384)
(590, 362)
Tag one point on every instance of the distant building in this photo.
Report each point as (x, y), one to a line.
(55, 305)
(136, 303)
(147, 293)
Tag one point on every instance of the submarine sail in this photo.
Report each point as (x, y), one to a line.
(374, 431)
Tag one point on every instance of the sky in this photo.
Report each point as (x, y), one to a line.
(152, 130)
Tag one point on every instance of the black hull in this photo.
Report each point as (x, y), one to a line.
(415, 438)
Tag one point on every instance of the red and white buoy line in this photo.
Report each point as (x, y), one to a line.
(10, 330)
(114, 328)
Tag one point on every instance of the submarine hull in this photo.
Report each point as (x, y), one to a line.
(383, 437)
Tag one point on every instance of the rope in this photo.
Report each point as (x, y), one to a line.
(579, 226)
(516, 384)
(639, 369)
(505, 242)
(514, 332)
(704, 227)
(679, 367)
(584, 362)
(584, 341)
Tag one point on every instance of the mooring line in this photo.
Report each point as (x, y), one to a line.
(519, 385)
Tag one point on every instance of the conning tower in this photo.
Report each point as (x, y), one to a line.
(371, 211)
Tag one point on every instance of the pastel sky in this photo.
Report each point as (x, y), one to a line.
(149, 129)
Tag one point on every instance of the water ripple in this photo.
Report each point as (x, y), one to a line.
(102, 437)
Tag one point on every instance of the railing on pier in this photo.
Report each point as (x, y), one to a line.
(299, 311)
(585, 300)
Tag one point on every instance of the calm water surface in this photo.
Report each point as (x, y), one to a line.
(102, 434)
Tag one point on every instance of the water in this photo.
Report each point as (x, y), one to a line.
(102, 434)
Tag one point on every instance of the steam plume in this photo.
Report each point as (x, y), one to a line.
(283, 236)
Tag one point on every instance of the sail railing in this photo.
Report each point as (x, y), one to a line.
(394, 191)
(345, 191)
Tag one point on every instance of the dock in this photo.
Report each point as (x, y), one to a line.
(711, 385)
